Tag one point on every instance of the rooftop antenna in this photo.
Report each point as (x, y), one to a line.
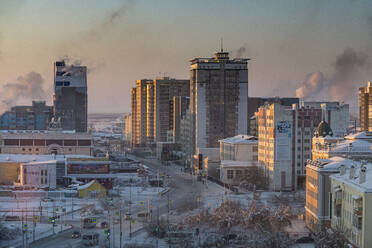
(221, 44)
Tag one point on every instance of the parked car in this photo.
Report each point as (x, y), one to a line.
(76, 235)
(47, 199)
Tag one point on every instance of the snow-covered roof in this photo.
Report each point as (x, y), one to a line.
(233, 163)
(26, 158)
(85, 186)
(352, 146)
(361, 135)
(241, 139)
(354, 182)
(330, 164)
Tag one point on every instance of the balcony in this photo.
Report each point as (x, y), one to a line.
(357, 222)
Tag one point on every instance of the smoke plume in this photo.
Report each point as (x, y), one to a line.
(239, 53)
(91, 65)
(342, 83)
(369, 23)
(347, 75)
(312, 85)
(25, 89)
(117, 14)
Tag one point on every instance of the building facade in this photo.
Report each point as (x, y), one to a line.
(365, 107)
(275, 146)
(180, 106)
(46, 142)
(218, 98)
(39, 174)
(165, 90)
(71, 96)
(35, 117)
(351, 198)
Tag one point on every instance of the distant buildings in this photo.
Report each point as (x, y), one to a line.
(35, 117)
(70, 96)
(365, 107)
(153, 109)
(45, 142)
(39, 174)
(218, 99)
(128, 129)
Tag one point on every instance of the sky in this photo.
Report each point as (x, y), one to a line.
(317, 49)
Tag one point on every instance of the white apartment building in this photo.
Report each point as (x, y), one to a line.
(351, 200)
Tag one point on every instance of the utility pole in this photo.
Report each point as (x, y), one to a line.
(121, 233)
(130, 210)
(23, 232)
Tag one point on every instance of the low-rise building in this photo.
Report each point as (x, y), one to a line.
(318, 187)
(39, 174)
(234, 172)
(93, 189)
(239, 148)
(45, 142)
(351, 199)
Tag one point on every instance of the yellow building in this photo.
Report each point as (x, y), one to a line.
(92, 189)
(352, 204)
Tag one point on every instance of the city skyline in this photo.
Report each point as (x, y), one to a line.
(307, 41)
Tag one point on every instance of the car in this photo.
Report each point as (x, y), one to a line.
(76, 235)
(104, 224)
(47, 199)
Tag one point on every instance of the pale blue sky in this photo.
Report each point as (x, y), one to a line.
(286, 39)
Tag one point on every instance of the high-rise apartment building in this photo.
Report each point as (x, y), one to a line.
(165, 89)
(218, 99)
(365, 107)
(70, 96)
(180, 106)
(139, 98)
(152, 109)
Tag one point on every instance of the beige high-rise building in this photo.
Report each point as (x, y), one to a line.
(365, 107)
(140, 134)
(152, 109)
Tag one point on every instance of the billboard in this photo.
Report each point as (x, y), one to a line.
(283, 136)
(88, 168)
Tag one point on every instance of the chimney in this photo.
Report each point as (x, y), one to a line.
(352, 172)
(342, 170)
(362, 175)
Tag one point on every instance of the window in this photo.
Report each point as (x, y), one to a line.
(39, 142)
(298, 164)
(41, 172)
(66, 83)
(26, 142)
(69, 142)
(57, 142)
(299, 148)
(306, 141)
(46, 180)
(37, 149)
(29, 149)
(255, 157)
(230, 174)
(11, 142)
(84, 143)
(254, 149)
(46, 172)
(59, 83)
(298, 172)
(42, 180)
(299, 140)
(70, 149)
(23, 149)
(238, 173)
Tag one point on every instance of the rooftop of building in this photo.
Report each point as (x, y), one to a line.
(233, 163)
(352, 146)
(40, 133)
(323, 130)
(27, 158)
(360, 135)
(240, 139)
(354, 179)
(329, 165)
(218, 57)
